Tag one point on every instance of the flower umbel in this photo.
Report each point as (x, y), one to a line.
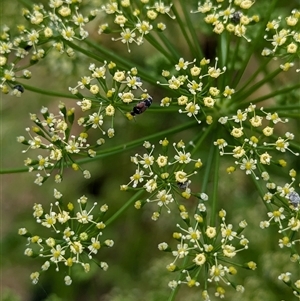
(163, 176)
(205, 252)
(76, 239)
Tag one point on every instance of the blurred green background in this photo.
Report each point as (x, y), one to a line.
(136, 267)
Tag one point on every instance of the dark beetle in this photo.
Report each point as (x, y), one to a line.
(20, 88)
(142, 106)
(236, 17)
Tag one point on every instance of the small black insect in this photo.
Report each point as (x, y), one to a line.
(236, 17)
(27, 47)
(294, 198)
(20, 88)
(141, 106)
(183, 185)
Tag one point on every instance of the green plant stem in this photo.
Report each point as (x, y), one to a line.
(118, 149)
(26, 3)
(137, 142)
(201, 137)
(276, 93)
(104, 54)
(124, 207)
(240, 98)
(294, 146)
(215, 196)
(191, 28)
(160, 48)
(242, 69)
(235, 57)
(174, 291)
(284, 108)
(290, 115)
(224, 48)
(47, 92)
(255, 44)
(180, 277)
(253, 76)
(223, 54)
(157, 109)
(174, 53)
(207, 171)
(182, 27)
(261, 193)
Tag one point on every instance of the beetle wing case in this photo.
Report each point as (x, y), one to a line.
(141, 106)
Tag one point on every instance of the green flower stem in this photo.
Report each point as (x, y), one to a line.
(293, 247)
(253, 76)
(183, 29)
(294, 146)
(256, 43)
(29, 65)
(106, 54)
(276, 93)
(160, 48)
(224, 48)
(175, 291)
(230, 263)
(291, 115)
(26, 3)
(158, 109)
(180, 277)
(118, 149)
(47, 92)
(261, 192)
(124, 207)
(201, 137)
(233, 60)
(253, 88)
(191, 28)
(154, 109)
(235, 54)
(138, 142)
(241, 70)
(174, 53)
(285, 107)
(206, 277)
(223, 52)
(216, 158)
(208, 168)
